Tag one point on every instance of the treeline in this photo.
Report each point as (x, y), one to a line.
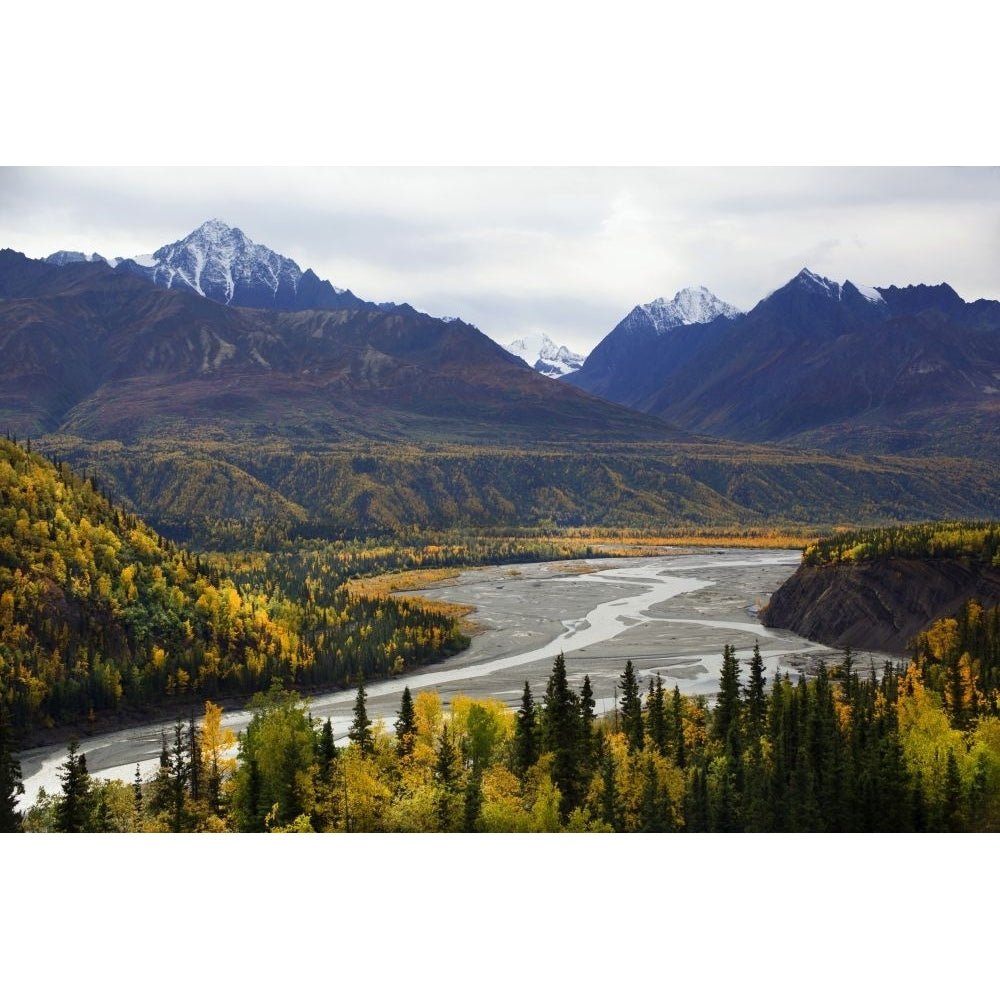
(100, 613)
(895, 750)
(977, 540)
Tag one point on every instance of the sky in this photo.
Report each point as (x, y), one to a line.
(608, 113)
(566, 251)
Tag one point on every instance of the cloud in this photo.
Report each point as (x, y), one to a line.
(567, 251)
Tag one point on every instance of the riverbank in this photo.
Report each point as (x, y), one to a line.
(671, 615)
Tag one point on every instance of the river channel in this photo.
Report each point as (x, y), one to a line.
(669, 614)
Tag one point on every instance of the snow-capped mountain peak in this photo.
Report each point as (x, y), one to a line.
(816, 284)
(687, 307)
(221, 262)
(541, 353)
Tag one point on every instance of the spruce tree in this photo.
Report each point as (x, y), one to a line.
(560, 735)
(656, 714)
(11, 785)
(677, 723)
(525, 735)
(756, 702)
(360, 732)
(137, 797)
(727, 704)
(587, 746)
(406, 725)
(446, 774)
(73, 811)
(610, 808)
(631, 706)
(327, 749)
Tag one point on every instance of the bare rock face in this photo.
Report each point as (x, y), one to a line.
(880, 605)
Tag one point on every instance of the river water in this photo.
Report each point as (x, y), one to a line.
(670, 614)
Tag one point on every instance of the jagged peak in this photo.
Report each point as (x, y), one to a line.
(695, 304)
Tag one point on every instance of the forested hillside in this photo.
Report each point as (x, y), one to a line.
(893, 749)
(99, 613)
(876, 588)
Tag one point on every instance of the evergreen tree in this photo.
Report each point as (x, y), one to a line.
(525, 735)
(473, 802)
(677, 724)
(327, 749)
(406, 726)
(179, 771)
(560, 734)
(727, 705)
(631, 706)
(656, 810)
(194, 758)
(360, 732)
(953, 816)
(587, 718)
(656, 714)
(446, 773)
(73, 811)
(11, 785)
(137, 796)
(610, 808)
(756, 701)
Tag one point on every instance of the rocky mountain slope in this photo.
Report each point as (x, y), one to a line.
(541, 353)
(842, 367)
(221, 263)
(878, 588)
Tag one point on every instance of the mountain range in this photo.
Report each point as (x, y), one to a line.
(842, 367)
(221, 263)
(313, 408)
(541, 353)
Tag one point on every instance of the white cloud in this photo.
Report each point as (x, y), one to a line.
(567, 251)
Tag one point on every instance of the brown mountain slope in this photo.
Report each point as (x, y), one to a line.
(880, 605)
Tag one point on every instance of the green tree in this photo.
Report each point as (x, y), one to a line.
(677, 726)
(276, 781)
(727, 704)
(656, 715)
(406, 725)
(631, 706)
(360, 732)
(74, 809)
(561, 735)
(756, 700)
(525, 735)
(11, 785)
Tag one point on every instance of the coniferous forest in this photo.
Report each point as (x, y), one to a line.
(886, 749)
(100, 615)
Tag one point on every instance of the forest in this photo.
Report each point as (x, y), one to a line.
(896, 748)
(101, 615)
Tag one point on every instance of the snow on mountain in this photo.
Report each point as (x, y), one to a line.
(221, 262)
(810, 281)
(688, 306)
(540, 352)
(62, 257)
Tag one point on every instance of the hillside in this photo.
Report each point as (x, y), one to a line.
(820, 364)
(879, 589)
(106, 355)
(98, 614)
(210, 419)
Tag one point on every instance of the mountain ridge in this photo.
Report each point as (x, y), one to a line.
(818, 363)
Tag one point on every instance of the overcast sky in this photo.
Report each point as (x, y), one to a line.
(565, 251)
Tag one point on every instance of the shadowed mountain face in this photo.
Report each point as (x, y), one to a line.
(104, 354)
(205, 416)
(897, 370)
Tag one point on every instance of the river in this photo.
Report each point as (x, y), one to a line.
(670, 614)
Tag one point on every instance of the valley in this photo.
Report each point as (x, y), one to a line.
(213, 461)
